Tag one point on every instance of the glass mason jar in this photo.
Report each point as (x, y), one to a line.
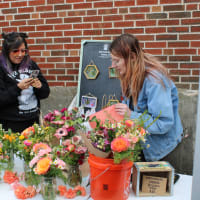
(9, 163)
(30, 177)
(74, 176)
(48, 188)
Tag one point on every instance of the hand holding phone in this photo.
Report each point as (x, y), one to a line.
(34, 73)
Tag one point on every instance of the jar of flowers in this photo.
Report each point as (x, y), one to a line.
(46, 164)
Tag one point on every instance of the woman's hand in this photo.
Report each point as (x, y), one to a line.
(36, 83)
(123, 109)
(25, 83)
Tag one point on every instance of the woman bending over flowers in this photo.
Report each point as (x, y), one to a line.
(146, 86)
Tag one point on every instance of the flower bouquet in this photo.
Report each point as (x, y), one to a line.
(46, 164)
(73, 152)
(8, 147)
(121, 139)
(64, 124)
(26, 140)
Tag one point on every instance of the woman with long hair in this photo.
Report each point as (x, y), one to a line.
(22, 84)
(146, 86)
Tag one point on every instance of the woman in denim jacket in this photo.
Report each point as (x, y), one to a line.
(146, 85)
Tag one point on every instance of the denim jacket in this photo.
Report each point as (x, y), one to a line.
(167, 131)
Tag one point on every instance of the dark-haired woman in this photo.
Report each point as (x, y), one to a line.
(146, 85)
(20, 92)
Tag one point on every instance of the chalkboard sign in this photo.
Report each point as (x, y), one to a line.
(95, 76)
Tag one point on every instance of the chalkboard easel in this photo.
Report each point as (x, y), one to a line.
(102, 84)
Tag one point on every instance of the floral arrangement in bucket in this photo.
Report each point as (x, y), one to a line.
(122, 140)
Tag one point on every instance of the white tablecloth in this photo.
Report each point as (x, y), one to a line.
(182, 189)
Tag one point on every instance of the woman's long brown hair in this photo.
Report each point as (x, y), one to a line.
(138, 65)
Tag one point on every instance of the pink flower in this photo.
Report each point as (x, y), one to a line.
(63, 110)
(120, 144)
(64, 117)
(76, 139)
(71, 128)
(135, 139)
(38, 146)
(59, 122)
(61, 132)
(66, 142)
(49, 117)
(57, 113)
(43, 152)
(28, 142)
(80, 150)
(65, 126)
(71, 148)
(34, 161)
(60, 163)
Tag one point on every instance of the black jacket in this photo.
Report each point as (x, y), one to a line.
(10, 93)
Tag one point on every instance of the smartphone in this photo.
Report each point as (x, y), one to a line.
(34, 73)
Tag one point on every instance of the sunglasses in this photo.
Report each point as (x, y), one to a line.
(23, 51)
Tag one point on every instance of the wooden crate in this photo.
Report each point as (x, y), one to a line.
(158, 178)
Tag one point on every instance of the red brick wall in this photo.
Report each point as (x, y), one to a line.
(169, 29)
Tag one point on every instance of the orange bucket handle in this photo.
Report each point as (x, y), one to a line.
(93, 179)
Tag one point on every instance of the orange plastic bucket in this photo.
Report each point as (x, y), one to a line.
(108, 180)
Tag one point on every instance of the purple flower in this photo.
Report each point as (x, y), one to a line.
(105, 131)
(106, 142)
(48, 117)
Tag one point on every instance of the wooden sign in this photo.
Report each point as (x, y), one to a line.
(153, 184)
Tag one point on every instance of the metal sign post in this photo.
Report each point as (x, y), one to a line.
(196, 168)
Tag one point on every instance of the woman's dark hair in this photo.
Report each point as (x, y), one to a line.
(12, 41)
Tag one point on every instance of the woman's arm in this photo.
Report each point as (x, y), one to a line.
(159, 103)
(43, 91)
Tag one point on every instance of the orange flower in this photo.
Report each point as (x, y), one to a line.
(120, 144)
(10, 177)
(43, 165)
(70, 194)
(28, 131)
(129, 123)
(30, 192)
(6, 136)
(62, 190)
(38, 146)
(80, 189)
(142, 131)
(20, 191)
